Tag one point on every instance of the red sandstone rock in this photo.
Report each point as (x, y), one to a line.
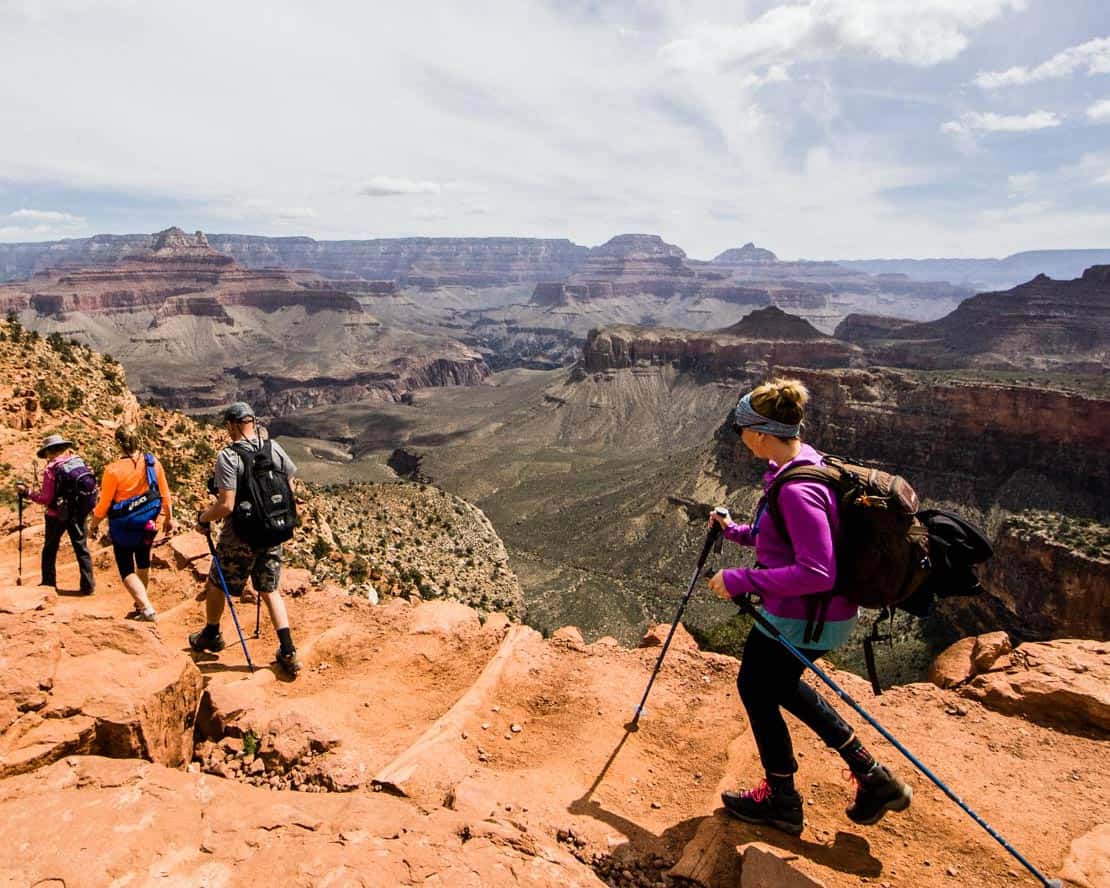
(953, 665)
(1064, 682)
(570, 635)
(444, 618)
(1088, 864)
(188, 547)
(20, 599)
(193, 829)
(766, 866)
(657, 634)
(988, 649)
(92, 685)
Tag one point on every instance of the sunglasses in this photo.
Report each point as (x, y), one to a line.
(739, 429)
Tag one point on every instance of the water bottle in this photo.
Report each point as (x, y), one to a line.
(150, 531)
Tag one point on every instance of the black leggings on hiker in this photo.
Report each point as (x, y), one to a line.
(771, 680)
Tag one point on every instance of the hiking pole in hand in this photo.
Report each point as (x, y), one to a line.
(227, 594)
(746, 605)
(710, 539)
(19, 578)
(257, 612)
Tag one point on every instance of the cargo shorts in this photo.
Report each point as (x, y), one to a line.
(240, 562)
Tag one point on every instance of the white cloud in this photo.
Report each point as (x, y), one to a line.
(1099, 112)
(1094, 55)
(915, 32)
(45, 217)
(33, 225)
(988, 121)
(386, 186)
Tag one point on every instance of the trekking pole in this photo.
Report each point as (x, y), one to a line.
(257, 612)
(19, 578)
(710, 539)
(227, 595)
(747, 605)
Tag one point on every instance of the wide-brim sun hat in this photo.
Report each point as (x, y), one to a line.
(53, 441)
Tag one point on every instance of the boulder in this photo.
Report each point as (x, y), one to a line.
(1088, 863)
(288, 739)
(295, 581)
(656, 635)
(1064, 682)
(765, 866)
(988, 649)
(188, 547)
(20, 599)
(92, 685)
(569, 635)
(954, 665)
(443, 618)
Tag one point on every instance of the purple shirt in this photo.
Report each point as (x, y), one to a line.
(809, 511)
(45, 496)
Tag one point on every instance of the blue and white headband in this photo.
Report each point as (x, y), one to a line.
(748, 418)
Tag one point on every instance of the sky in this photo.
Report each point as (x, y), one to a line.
(820, 129)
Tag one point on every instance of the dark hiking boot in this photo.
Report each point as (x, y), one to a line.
(202, 641)
(782, 810)
(877, 792)
(288, 661)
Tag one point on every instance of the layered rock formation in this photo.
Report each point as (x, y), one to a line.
(764, 336)
(418, 261)
(1046, 325)
(196, 330)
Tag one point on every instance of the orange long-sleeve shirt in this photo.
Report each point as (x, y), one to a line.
(126, 478)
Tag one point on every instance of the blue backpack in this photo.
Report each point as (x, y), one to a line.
(130, 520)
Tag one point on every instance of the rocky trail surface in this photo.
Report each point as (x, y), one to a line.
(422, 746)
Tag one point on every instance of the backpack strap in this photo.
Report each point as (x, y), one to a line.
(151, 475)
(817, 606)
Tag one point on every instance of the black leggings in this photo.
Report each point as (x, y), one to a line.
(129, 559)
(769, 681)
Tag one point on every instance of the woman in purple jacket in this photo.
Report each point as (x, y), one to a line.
(769, 422)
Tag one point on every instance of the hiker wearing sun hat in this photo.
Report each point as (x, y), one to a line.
(68, 492)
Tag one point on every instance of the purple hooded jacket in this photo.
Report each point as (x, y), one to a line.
(789, 573)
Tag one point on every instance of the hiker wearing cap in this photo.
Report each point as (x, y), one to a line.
(238, 559)
(795, 560)
(134, 497)
(62, 515)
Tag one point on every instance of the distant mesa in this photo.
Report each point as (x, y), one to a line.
(774, 323)
(638, 246)
(746, 255)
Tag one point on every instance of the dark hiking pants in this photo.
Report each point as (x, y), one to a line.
(55, 528)
(770, 680)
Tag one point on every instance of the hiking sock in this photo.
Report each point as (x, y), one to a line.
(211, 630)
(285, 636)
(856, 756)
(781, 784)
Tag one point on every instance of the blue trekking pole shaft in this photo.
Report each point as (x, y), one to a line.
(710, 539)
(766, 624)
(227, 596)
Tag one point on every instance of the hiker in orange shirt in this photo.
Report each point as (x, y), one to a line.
(133, 496)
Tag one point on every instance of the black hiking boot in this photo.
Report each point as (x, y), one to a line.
(782, 810)
(288, 661)
(202, 641)
(877, 792)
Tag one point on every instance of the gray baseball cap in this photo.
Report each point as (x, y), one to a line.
(238, 411)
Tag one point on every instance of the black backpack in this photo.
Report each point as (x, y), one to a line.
(265, 511)
(75, 489)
